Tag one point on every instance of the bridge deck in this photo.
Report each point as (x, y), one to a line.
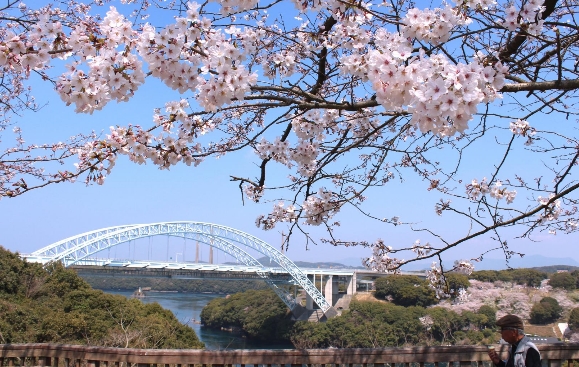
(163, 265)
(146, 264)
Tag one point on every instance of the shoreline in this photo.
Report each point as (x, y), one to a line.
(155, 291)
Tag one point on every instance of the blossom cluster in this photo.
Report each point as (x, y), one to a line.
(27, 52)
(437, 281)
(441, 95)
(463, 267)
(280, 213)
(475, 189)
(279, 64)
(232, 6)
(112, 74)
(317, 209)
(528, 16)
(522, 128)
(253, 192)
(310, 130)
(552, 209)
(571, 225)
(320, 207)
(276, 150)
(432, 25)
(186, 55)
(381, 259)
(164, 149)
(499, 192)
(192, 55)
(350, 34)
(476, 4)
(421, 250)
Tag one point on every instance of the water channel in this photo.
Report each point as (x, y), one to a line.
(187, 308)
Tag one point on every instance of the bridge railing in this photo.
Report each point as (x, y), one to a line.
(58, 355)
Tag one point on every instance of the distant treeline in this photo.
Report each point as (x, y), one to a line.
(555, 268)
(175, 285)
(55, 305)
(530, 277)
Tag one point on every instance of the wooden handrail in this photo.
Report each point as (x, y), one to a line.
(79, 355)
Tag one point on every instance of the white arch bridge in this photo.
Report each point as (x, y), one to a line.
(78, 249)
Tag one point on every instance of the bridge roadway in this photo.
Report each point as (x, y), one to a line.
(175, 270)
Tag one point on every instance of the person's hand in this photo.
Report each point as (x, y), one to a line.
(494, 356)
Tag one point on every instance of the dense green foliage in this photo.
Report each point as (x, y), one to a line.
(456, 282)
(40, 305)
(563, 280)
(485, 275)
(258, 313)
(410, 290)
(529, 277)
(405, 290)
(546, 311)
(178, 285)
(490, 314)
(574, 319)
(377, 324)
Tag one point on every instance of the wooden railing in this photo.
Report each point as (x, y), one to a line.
(60, 355)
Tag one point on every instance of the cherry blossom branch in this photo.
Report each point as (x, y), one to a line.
(542, 86)
(512, 221)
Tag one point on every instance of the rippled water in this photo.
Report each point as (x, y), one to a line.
(187, 308)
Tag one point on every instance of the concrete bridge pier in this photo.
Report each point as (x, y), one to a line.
(331, 290)
(330, 293)
(309, 302)
(351, 286)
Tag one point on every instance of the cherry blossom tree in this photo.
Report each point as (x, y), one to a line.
(347, 96)
(507, 298)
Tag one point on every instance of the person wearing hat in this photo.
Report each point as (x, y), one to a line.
(523, 352)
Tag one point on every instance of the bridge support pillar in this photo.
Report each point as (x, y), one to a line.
(309, 302)
(328, 290)
(331, 290)
(309, 299)
(351, 286)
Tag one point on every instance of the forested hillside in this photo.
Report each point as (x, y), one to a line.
(404, 311)
(374, 325)
(55, 305)
(260, 314)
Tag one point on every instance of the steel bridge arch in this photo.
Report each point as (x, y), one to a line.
(76, 248)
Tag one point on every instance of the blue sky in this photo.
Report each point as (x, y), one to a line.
(144, 194)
